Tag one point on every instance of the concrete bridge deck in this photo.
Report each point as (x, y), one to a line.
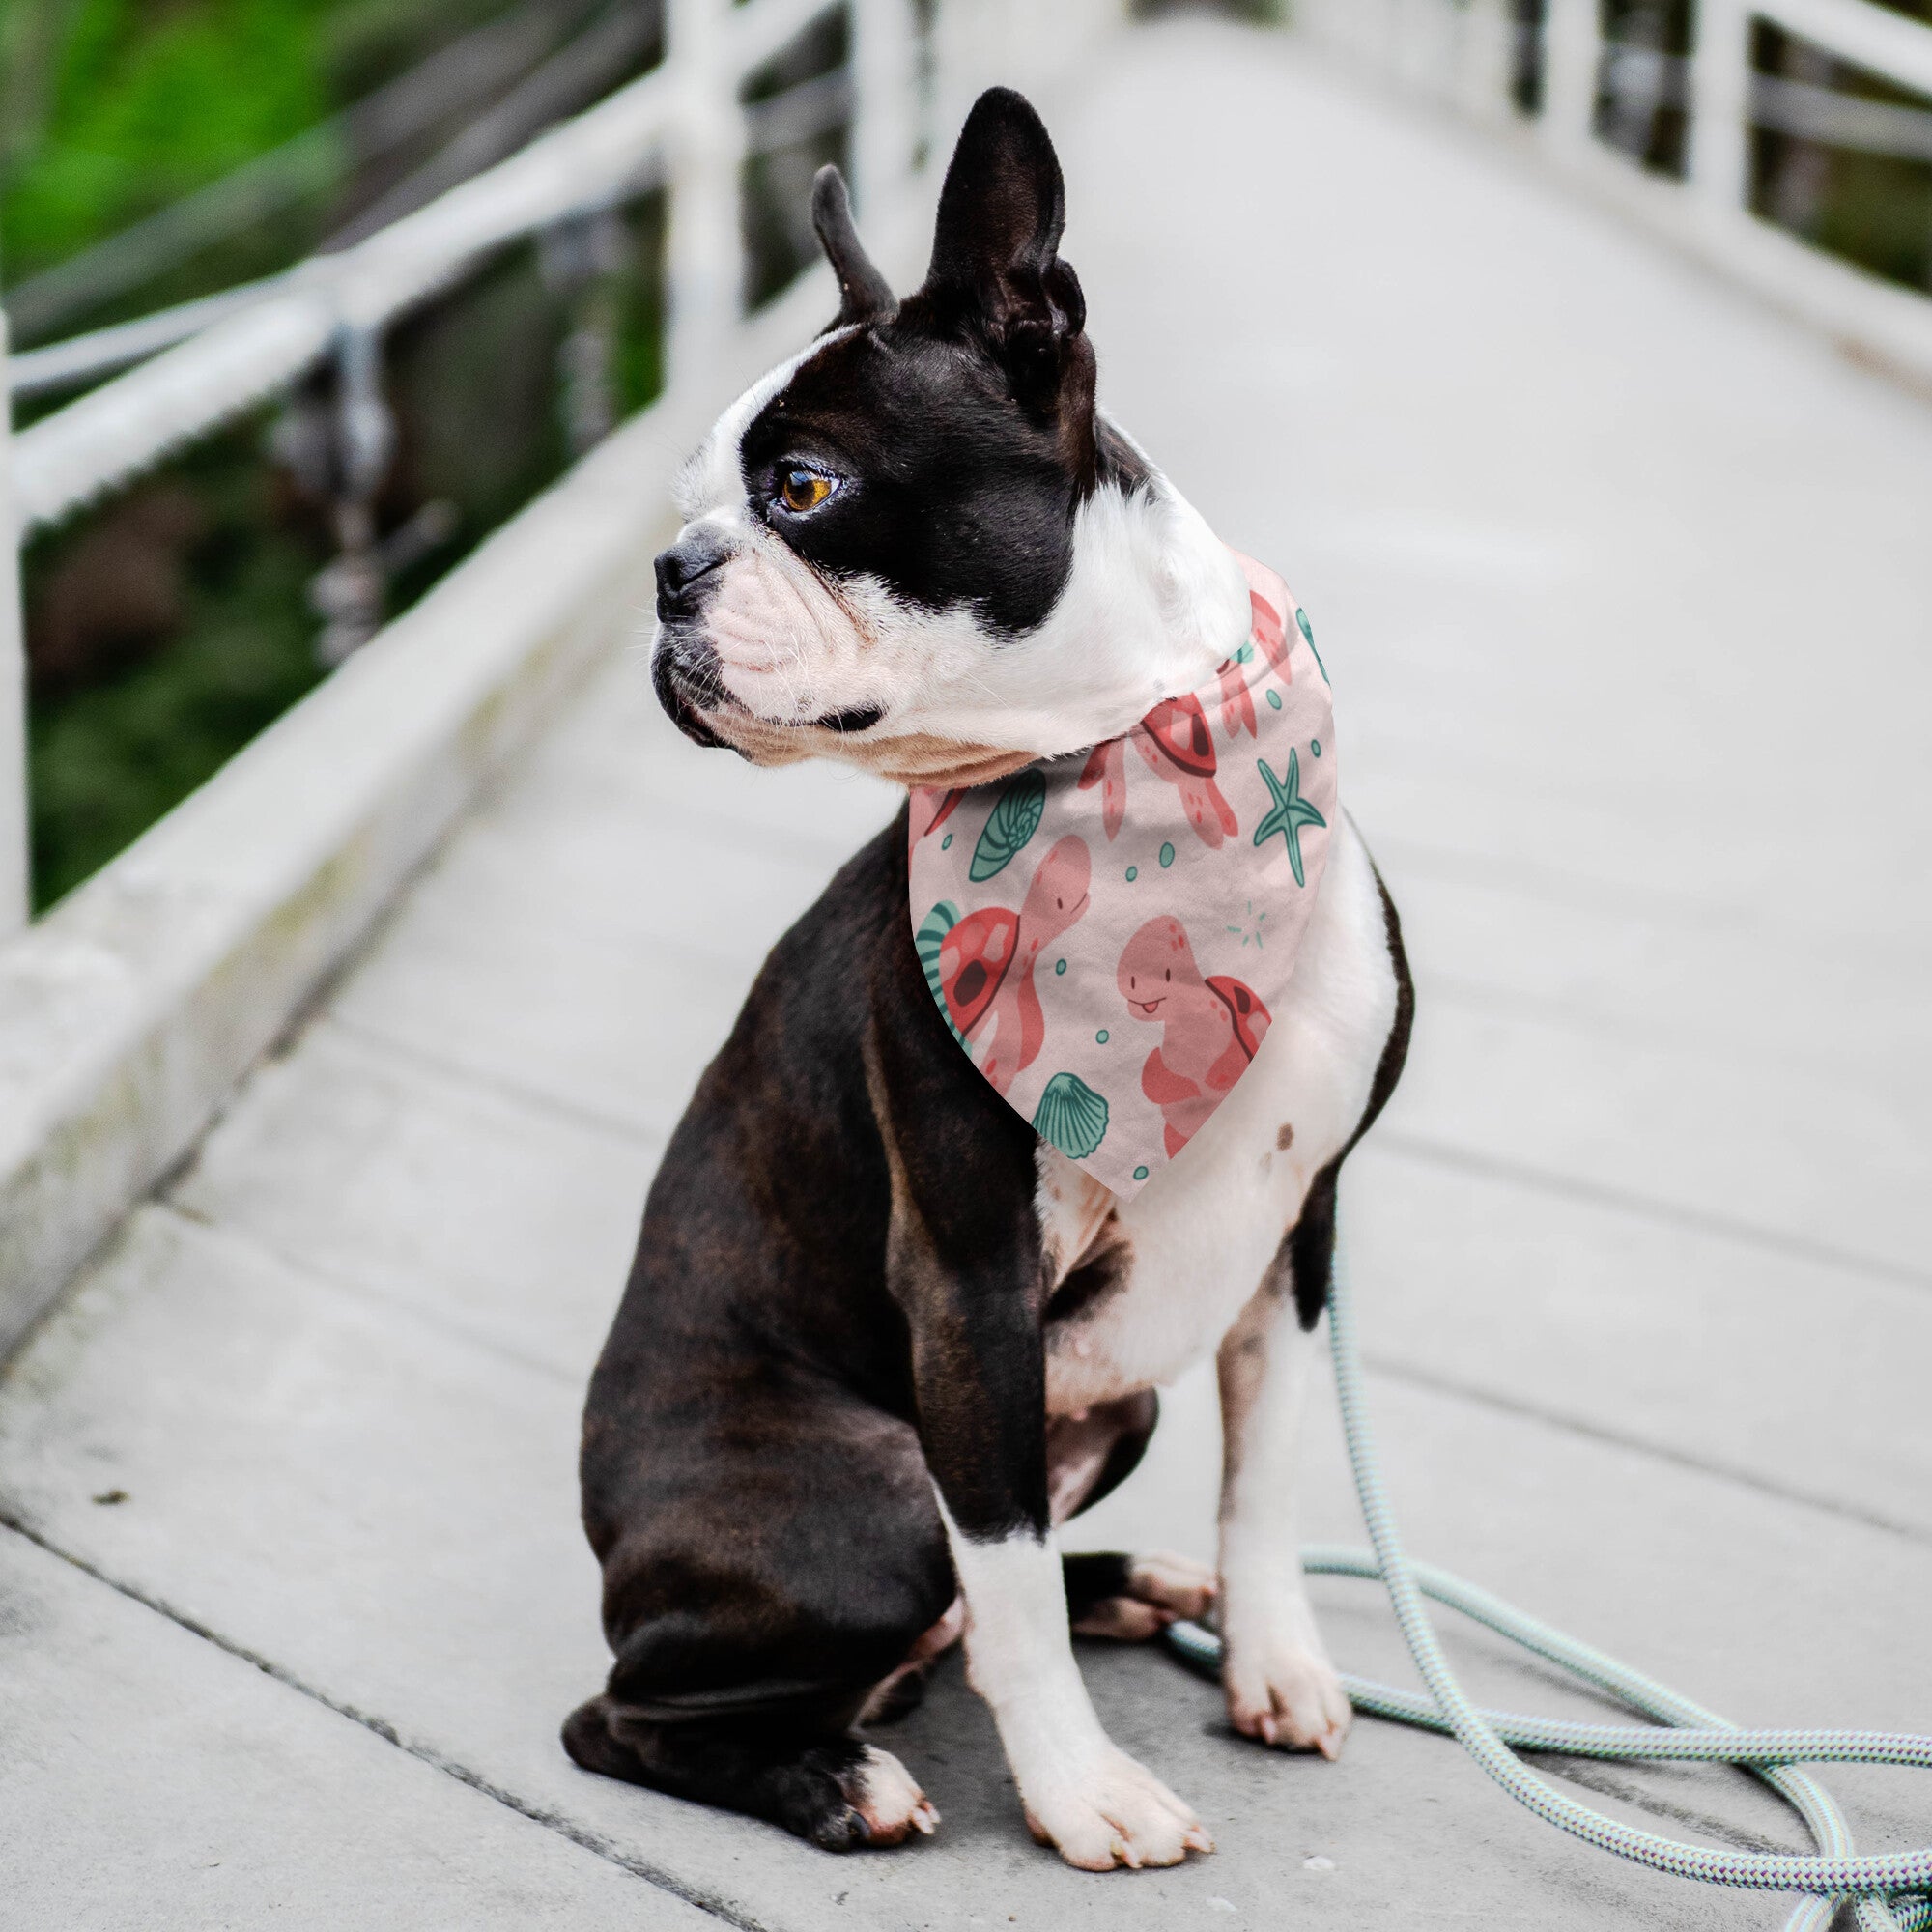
(1624, 588)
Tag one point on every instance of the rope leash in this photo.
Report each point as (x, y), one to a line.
(1880, 1886)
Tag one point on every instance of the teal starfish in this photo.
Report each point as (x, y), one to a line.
(1292, 812)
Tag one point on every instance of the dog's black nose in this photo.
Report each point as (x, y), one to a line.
(685, 573)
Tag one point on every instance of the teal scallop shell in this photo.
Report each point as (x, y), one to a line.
(1013, 822)
(1072, 1116)
(928, 939)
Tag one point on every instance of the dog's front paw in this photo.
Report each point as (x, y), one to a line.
(1112, 1812)
(882, 1805)
(1285, 1693)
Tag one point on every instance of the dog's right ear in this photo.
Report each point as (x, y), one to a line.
(863, 294)
(995, 249)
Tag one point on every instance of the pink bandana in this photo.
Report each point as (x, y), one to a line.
(1107, 932)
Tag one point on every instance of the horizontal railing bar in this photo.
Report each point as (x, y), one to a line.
(800, 112)
(753, 34)
(1799, 109)
(78, 359)
(128, 425)
(1808, 113)
(1887, 44)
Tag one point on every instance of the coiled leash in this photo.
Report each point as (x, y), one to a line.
(1882, 1887)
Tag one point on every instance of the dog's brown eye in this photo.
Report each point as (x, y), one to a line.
(804, 490)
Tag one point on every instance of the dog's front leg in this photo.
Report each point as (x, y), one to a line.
(979, 1383)
(1281, 1686)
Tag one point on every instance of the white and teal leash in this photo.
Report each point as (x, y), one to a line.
(1880, 1886)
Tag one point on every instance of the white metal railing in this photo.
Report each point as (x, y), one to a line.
(1469, 54)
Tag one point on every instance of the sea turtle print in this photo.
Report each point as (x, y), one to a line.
(1175, 744)
(982, 966)
(1212, 1026)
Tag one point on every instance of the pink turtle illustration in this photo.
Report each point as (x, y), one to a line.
(987, 962)
(1107, 767)
(1238, 699)
(1174, 742)
(1270, 634)
(1214, 1027)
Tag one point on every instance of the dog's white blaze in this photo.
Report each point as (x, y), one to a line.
(1203, 1233)
(712, 479)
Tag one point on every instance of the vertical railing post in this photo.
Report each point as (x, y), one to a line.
(1721, 108)
(882, 115)
(347, 594)
(14, 902)
(704, 256)
(1573, 51)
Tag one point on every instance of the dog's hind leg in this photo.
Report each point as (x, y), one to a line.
(1109, 1593)
(824, 1785)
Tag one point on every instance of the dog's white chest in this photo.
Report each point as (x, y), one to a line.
(1149, 1285)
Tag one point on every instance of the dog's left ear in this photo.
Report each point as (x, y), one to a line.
(862, 292)
(994, 261)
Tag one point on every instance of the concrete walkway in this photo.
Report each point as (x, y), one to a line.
(1624, 588)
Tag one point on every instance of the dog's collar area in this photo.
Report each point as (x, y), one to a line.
(1107, 934)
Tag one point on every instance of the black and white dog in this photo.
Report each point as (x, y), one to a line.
(879, 1337)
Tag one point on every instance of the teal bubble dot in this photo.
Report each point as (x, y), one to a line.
(946, 843)
(1101, 1036)
(1140, 1173)
(1133, 873)
(1245, 655)
(1315, 745)
(1274, 699)
(1307, 629)
(1167, 855)
(1059, 966)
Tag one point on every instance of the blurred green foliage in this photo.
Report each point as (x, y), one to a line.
(110, 110)
(110, 754)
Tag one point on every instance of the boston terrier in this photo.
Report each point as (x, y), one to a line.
(885, 1331)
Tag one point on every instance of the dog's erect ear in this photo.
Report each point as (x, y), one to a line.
(994, 257)
(862, 292)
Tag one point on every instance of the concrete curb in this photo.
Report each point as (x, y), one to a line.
(131, 1010)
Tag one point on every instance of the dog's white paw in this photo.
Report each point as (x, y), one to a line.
(1110, 1812)
(1285, 1693)
(1160, 1587)
(887, 1796)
